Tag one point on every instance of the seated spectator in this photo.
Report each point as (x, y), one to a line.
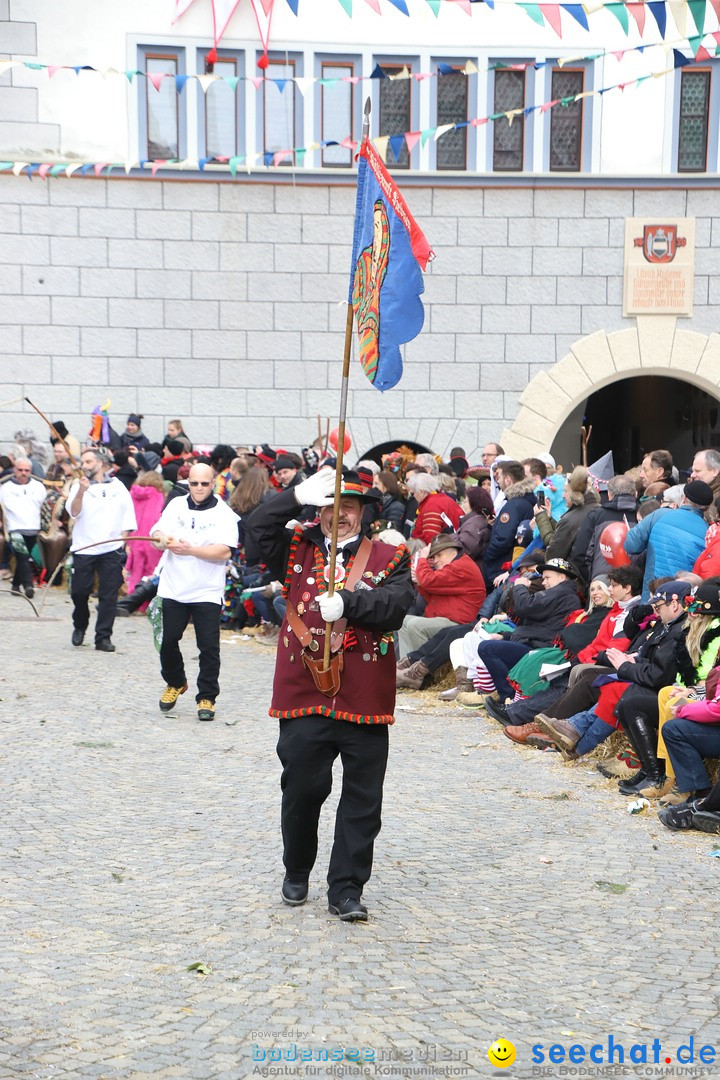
(221, 459)
(175, 431)
(707, 564)
(392, 508)
(132, 438)
(580, 498)
(453, 588)
(173, 458)
(148, 497)
(517, 490)
(541, 617)
(673, 538)
(474, 529)
(437, 512)
(621, 506)
(656, 473)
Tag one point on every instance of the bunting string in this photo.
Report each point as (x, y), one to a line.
(382, 143)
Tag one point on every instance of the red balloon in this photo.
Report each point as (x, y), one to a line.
(333, 440)
(612, 544)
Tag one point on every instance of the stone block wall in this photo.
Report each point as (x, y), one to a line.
(222, 302)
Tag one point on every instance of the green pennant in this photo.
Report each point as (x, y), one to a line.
(697, 10)
(695, 41)
(234, 162)
(57, 169)
(533, 10)
(435, 6)
(347, 5)
(300, 156)
(425, 135)
(130, 75)
(7, 165)
(620, 13)
(328, 82)
(232, 81)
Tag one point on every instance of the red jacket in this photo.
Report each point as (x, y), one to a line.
(429, 522)
(604, 638)
(455, 591)
(707, 563)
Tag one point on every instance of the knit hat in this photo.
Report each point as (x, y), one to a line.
(698, 492)
(175, 446)
(133, 418)
(284, 462)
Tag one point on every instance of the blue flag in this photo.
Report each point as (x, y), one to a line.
(389, 254)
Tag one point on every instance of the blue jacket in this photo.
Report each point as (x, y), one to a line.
(673, 538)
(517, 508)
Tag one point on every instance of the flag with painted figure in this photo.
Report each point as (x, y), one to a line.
(389, 254)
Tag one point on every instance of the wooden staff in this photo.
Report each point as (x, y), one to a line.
(73, 461)
(319, 432)
(341, 436)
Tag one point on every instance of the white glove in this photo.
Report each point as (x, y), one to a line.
(317, 490)
(331, 607)
(160, 540)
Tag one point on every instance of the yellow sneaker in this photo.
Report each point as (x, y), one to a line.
(206, 709)
(169, 696)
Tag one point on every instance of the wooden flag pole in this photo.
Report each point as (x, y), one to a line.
(341, 437)
(73, 461)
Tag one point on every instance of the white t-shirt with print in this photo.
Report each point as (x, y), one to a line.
(186, 578)
(107, 511)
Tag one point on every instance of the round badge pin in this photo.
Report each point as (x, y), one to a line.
(305, 597)
(297, 568)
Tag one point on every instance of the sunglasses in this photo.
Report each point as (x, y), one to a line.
(199, 483)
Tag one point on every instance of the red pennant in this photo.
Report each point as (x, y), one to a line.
(638, 13)
(552, 14)
(412, 138)
(157, 165)
(43, 171)
(157, 78)
(702, 54)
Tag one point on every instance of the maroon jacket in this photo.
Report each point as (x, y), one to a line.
(374, 610)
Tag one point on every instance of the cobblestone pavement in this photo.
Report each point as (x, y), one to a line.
(513, 895)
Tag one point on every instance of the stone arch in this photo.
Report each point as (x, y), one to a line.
(654, 346)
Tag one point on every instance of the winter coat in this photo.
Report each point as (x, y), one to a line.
(659, 653)
(542, 615)
(518, 508)
(392, 510)
(430, 521)
(674, 540)
(707, 564)
(139, 441)
(582, 631)
(474, 535)
(454, 591)
(609, 636)
(143, 557)
(559, 539)
(586, 555)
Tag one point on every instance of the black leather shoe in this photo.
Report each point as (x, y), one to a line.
(632, 786)
(497, 710)
(707, 821)
(104, 645)
(349, 910)
(294, 893)
(78, 636)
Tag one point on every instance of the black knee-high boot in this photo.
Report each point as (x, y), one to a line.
(643, 737)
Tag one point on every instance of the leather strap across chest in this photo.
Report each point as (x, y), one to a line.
(301, 631)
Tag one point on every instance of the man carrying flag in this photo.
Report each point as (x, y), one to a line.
(334, 687)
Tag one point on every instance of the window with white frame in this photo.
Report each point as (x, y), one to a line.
(509, 90)
(566, 120)
(694, 114)
(162, 109)
(336, 111)
(222, 111)
(395, 103)
(281, 106)
(451, 107)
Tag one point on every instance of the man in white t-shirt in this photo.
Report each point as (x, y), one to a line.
(198, 532)
(102, 510)
(21, 498)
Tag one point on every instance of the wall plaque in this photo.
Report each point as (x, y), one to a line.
(659, 266)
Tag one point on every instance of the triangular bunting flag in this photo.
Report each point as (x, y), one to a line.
(534, 12)
(222, 11)
(434, 6)
(20, 165)
(412, 138)
(445, 69)
(375, 5)
(701, 55)
(620, 13)
(257, 81)
(440, 131)
(293, 5)
(56, 169)
(378, 73)
(381, 145)
(694, 43)
(697, 10)
(267, 6)
(347, 5)
(157, 165)
(471, 67)
(181, 7)
(280, 83)
(156, 78)
(638, 13)
(400, 5)
(232, 81)
(578, 13)
(206, 81)
(303, 82)
(6, 65)
(657, 10)
(678, 10)
(397, 144)
(180, 81)
(552, 14)
(233, 164)
(43, 171)
(53, 69)
(679, 60)
(715, 5)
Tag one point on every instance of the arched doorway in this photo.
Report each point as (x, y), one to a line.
(642, 413)
(652, 346)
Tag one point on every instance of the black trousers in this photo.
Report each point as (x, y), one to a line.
(436, 652)
(206, 620)
(307, 748)
(23, 566)
(109, 567)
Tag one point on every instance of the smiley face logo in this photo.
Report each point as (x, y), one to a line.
(501, 1053)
